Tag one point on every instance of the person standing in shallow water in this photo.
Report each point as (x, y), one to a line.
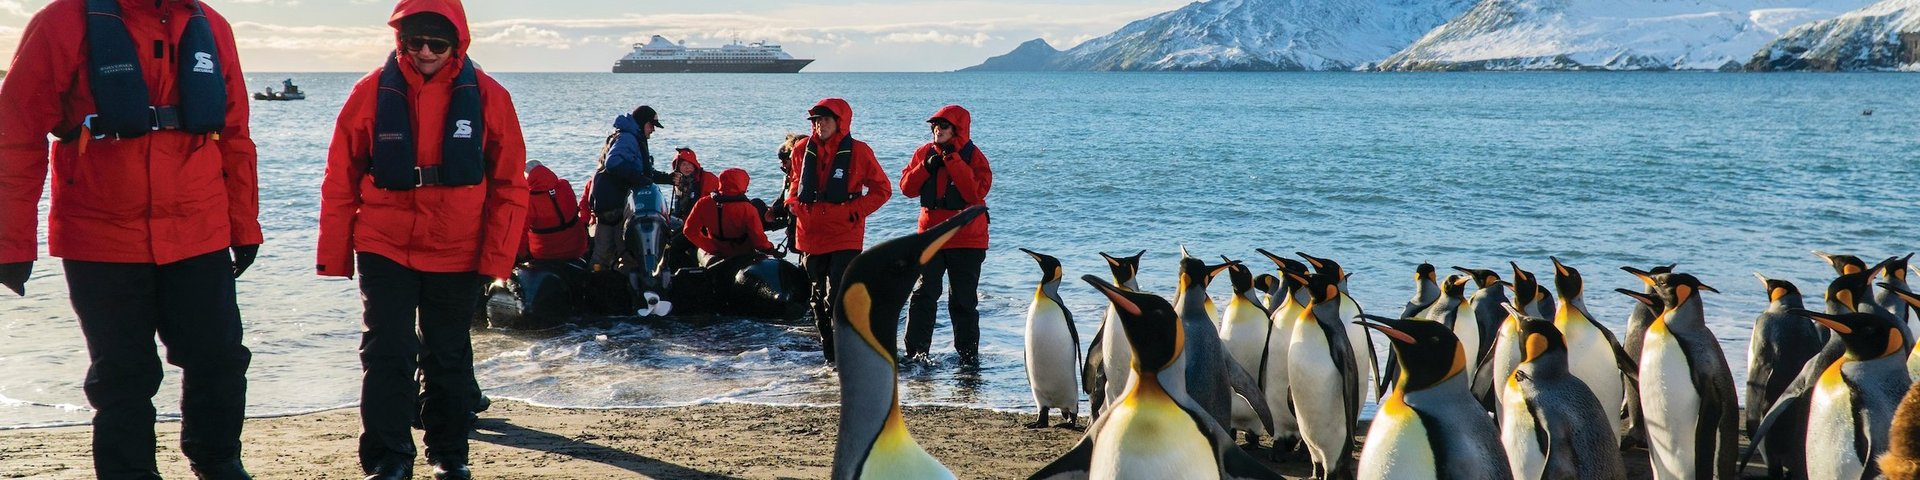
(155, 212)
(426, 194)
(837, 184)
(948, 175)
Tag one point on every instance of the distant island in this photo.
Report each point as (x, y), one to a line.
(1483, 35)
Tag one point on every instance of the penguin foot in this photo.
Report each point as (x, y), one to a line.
(1038, 424)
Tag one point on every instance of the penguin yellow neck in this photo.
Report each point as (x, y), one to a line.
(896, 455)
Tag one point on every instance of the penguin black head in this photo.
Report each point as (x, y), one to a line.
(1481, 278)
(1842, 264)
(1124, 268)
(1428, 352)
(1050, 270)
(1321, 288)
(1852, 290)
(1454, 286)
(1566, 279)
(1526, 287)
(1424, 273)
(1896, 268)
(1266, 282)
(1777, 289)
(1677, 288)
(1866, 335)
(1646, 276)
(1651, 301)
(1284, 264)
(1324, 265)
(1197, 274)
(877, 281)
(1541, 337)
(1152, 328)
(1241, 277)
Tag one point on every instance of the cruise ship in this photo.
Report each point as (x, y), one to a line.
(660, 55)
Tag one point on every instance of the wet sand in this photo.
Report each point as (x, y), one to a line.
(515, 440)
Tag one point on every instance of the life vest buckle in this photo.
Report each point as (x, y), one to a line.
(163, 118)
(428, 176)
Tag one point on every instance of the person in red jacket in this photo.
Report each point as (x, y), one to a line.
(727, 224)
(948, 175)
(838, 184)
(691, 182)
(155, 211)
(555, 229)
(426, 196)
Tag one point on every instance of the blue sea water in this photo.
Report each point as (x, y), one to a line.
(1726, 174)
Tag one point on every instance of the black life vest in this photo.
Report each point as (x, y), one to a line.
(122, 105)
(462, 161)
(689, 192)
(836, 189)
(929, 196)
(720, 218)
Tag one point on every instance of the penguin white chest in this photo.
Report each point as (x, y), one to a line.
(1051, 356)
(1525, 454)
(1591, 359)
(1151, 438)
(1117, 355)
(1830, 429)
(1672, 405)
(1397, 445)
(1467, 328)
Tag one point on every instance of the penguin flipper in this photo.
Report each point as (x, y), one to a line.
(1620, 357)
(1244, 384)
(1072, 465)
(1708, 430)
(1391, 373)
(1235, 464)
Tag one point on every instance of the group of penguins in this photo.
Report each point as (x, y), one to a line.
(1478, 384)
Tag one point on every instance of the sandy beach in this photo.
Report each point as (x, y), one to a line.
(515, 440)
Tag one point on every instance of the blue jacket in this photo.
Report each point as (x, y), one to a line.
(628, 164)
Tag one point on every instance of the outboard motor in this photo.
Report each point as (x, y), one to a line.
(647, 235)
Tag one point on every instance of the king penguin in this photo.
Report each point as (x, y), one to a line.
(1213, 376)
(1430, 426)
(1552, 425)
(1288, 302)
(1324, 378)
(1850, 293)
(1426, 292)
(1478, 325)
(1507, 350)
(1853, 401)
(1109, 347)
(1155, 431)
(1781, 345)
(873, 441)
(1686, 387)
(1053, 347)
(1363, 354)
(1244, 329)
(1896, 271)
(1594, 355)
(1637, 320)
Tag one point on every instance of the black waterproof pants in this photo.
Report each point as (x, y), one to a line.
(190, 304)
(824, 271)
(962, 267)
(415, 320)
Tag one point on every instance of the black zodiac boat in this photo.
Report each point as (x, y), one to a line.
(547, 293)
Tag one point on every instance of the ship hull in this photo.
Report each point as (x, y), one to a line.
(682, 66)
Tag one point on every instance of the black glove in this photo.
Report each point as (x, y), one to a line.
(243, 257)
(933, 162)
(776, 253)
(14, 276)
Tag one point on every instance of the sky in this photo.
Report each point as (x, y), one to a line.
(589, 35)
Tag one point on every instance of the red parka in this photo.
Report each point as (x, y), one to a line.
(728, 229)
(432, 228)
(972, 178)
(708, 182)
(823, 227)
(551, 207)
(159, 198)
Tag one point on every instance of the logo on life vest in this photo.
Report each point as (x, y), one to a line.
(838, 173)
(202, 62)
(463, 129)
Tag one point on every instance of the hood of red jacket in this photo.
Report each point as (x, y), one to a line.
(842, 112)
(733, 181)
(962, 121)
(540, 178)
(685, 155)
(452, 9)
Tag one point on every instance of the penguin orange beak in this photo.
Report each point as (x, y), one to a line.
(1645, 277)
(1829, 321)
(1386, 326)
(1030, 253)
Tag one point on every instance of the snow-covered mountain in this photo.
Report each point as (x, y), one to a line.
(1263, 35)
(1610, 34)
(1882, 36)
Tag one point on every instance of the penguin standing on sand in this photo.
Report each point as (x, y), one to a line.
(1479, 323)
(873, 441)
(1551, 424)
(1507, 349)
(1430, 426)
(1109, 353)
(1853, 401)
(1686, 387)
(1213, 377)
(1289, 301)
(1851, 293)
(1155, 431)
(1593, 354)
(1637, 320)
(1781, 345)
(1244, 329)
(1363, 355)
(1325, 379)
(1053, 347)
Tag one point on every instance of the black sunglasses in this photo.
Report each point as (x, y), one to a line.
(942, 125)
(439, 46)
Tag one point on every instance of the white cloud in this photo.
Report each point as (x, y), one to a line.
(526, 36)
(978, 39)
(15, 8)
